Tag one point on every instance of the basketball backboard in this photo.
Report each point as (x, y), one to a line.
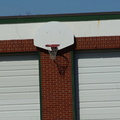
(53, 33)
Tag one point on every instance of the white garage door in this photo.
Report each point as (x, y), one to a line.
(99, 85)
(19, 87)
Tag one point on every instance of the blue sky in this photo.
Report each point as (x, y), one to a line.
(38, 7)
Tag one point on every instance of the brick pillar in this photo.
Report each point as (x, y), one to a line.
(56, 86)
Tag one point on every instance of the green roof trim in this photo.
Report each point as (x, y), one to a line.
(62, 17)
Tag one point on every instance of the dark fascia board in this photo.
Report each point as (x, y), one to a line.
(60, 17)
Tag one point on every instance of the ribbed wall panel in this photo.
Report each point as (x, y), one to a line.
(99, 85)
(19, 87)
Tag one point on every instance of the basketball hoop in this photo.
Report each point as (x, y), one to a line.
(53, 51)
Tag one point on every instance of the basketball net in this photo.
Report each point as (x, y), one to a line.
(53, 53)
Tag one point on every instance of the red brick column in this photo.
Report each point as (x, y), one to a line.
(56, 86)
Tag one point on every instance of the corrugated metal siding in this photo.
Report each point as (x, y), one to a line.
(99, 85)
(19, 87)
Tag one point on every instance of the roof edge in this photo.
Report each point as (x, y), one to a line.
(59, 17)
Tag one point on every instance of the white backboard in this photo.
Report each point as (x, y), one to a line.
(53, 33)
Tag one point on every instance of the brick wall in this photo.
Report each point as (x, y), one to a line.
(81, 43)
(86, 43)
(56, 76)
(8, 46)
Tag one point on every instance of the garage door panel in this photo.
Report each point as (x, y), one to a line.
(23, 81)
(101, 111)
(104, 78)
(19, 89)
(107, 86)
(18, 73)
(17, 114)
(21, 118)
(99, 98)
(98, 62)
(14, 62)
(21, 107)
(99, 95)
(99, 104)
(103, 92)
(10, 96)
(19, 101)
(93, 70)
(18, 67)
(108, 116)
